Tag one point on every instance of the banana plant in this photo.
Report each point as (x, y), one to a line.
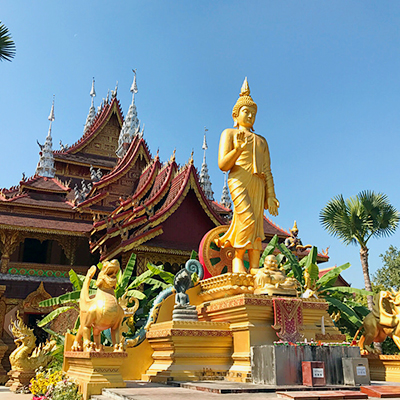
(336, 296)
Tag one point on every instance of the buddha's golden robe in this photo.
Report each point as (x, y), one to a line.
(250, 183)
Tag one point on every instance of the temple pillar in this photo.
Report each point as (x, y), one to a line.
(9, 241)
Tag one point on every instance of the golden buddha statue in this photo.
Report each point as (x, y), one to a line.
(271, 280)
(245, 155)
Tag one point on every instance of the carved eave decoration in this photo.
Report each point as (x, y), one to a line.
(31, 304)
(137, 149)
(185, 180)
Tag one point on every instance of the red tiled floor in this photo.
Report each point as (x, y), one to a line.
(383, 392)
(323, 395)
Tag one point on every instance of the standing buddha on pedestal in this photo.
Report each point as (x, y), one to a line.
(245, 155)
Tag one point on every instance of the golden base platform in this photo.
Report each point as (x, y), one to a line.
(384, 367)
(231, 320)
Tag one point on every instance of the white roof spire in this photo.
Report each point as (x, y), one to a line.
(204, 178)
(92, 110)
(45, 165)
(131, 126)
(225, 198)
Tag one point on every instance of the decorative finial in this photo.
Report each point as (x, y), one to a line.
(134, 88)
(92, 92)
(108, 96)
(92, 110)
(173, 156)
(158, 154)
(191, 157)
(204, 147)
(114, 92)
(51, 116)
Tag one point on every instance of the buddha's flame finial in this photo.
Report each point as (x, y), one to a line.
(245, 91)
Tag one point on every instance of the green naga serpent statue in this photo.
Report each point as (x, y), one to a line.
(192, 266)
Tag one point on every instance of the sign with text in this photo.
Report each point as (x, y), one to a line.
(318, 372)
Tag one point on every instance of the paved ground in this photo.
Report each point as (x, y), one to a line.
(146, 391)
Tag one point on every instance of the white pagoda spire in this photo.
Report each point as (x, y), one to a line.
(45, 165)
(131, 125)
(204, 178)
(225, 198)
(92, 110)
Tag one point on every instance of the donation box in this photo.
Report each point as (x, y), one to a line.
(313, 373)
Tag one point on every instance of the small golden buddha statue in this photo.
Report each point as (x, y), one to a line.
(245, 155)
(271, 280)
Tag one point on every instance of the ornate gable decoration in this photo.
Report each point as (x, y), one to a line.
(31, 303)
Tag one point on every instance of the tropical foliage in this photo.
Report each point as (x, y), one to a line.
(388, 275)
(340, 298)
(7, 45)
(358, 219)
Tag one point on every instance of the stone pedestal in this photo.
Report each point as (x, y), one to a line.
(19, 379)
(189, 350)
(250, 317)
(95, 371)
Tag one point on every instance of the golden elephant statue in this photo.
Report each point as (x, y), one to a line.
(382, 321)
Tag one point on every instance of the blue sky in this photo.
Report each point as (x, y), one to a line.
(325, 76)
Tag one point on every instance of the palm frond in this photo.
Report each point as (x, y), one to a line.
(7, 45)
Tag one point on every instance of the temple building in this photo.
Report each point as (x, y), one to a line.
(103, 197)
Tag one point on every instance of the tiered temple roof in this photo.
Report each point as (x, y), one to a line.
(119, 204)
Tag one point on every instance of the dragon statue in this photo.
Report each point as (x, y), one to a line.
(103, 311)
(193, 267)
(382, 321)
(27, 357)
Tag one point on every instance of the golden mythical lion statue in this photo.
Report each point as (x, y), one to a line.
(382, 321)
(101, 312)
(27, 357)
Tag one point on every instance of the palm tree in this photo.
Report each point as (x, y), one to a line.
(7, 45)
(357, 219)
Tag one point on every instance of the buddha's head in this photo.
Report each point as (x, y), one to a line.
(271, 262)
(245, 110)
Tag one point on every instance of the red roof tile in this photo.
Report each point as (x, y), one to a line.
(45, 224)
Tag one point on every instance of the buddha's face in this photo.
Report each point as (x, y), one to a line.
(246, 117)
(271, 262)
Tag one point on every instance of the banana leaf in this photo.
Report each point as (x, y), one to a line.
(76, 280)
(136, 293)
(330, 277)
(269, 249)
(165, 275)
(49, 317)
(156, 284)
(294, 263)
(71, 297)
(345, 310)
(139, 280)
(128, 271)
(345, 289)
